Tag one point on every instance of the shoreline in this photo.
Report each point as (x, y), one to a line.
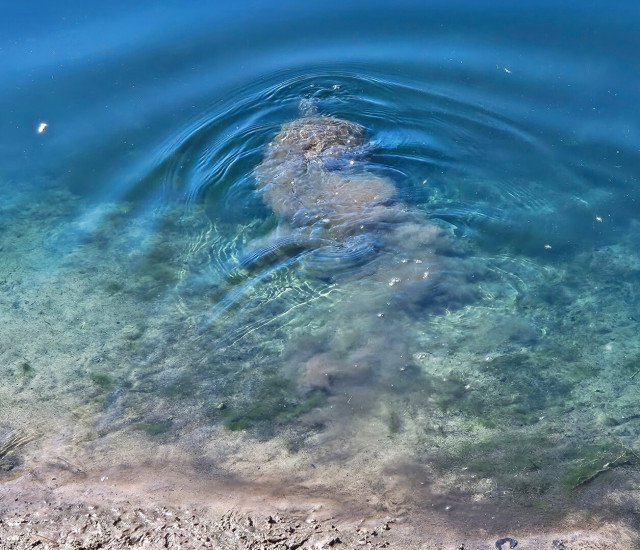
(49, 507)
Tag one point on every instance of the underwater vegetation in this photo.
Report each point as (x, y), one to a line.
(541, 462)
(102, 380)
(589, 461)
(274, 404)
(154, 428)
(25, 370)
(9, 445)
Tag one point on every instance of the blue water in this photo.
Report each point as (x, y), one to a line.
(483, 326)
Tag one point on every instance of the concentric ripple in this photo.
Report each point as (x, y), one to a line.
(454, 163)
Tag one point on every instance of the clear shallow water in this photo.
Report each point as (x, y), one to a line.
(478, 347)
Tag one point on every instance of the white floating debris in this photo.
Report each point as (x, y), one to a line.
(507, 70)
(547, 246)
(42, 127)
(598, 219)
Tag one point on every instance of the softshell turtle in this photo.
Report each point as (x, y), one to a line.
(309, 176)
(336, 214)
(313, 178)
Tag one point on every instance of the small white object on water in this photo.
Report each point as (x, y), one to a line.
(507, 70)
(42, 127)
(598, 219)
(547, 246)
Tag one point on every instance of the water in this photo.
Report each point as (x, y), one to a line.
(463, 346)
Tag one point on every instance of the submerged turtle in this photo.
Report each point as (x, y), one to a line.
(337, 215)
(310, 177)
(313, 177)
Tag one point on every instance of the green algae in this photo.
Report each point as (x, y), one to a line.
(26, 370)
(302, 406)
(587, 462)
(161, 274)
(274, 403)
(394, 422)
(155, 428)
(9, 446)
(102, 380)
(515, 390)
(535, 463)
(526, 387)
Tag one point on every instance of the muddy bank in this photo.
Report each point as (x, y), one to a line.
(91, 516)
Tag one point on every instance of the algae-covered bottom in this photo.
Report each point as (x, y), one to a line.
(516, 403)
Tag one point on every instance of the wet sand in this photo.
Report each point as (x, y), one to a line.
(50, 508)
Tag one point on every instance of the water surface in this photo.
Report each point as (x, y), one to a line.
(472, 350)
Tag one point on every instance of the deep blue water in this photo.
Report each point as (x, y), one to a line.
(494, 299)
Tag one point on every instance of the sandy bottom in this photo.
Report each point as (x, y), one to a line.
(113, 399)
